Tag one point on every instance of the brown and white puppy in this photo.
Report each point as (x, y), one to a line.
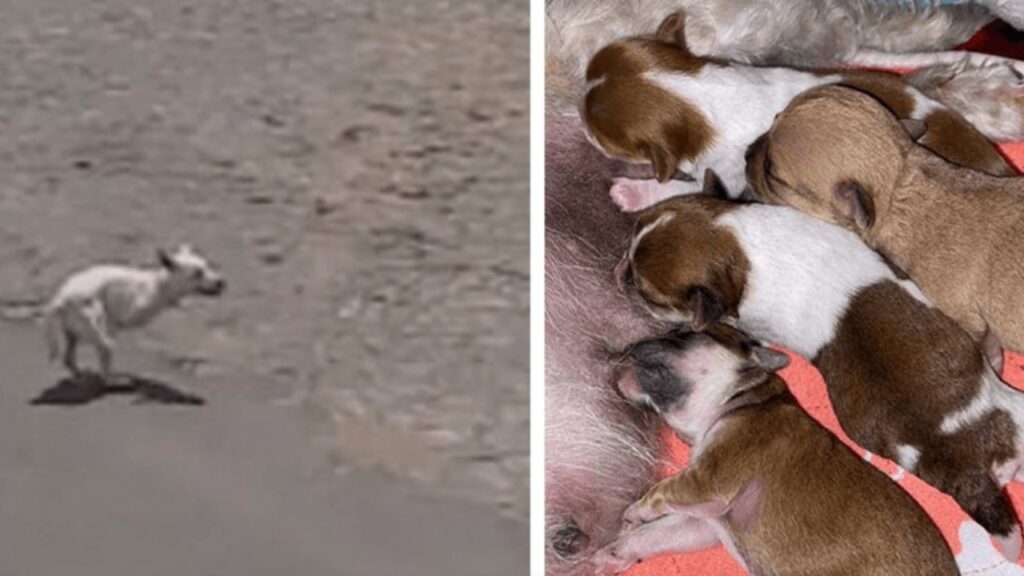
(764, 478)
(905, 381)
(649, 100)
(839, 155)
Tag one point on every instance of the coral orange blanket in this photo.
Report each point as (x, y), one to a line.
(975, 553)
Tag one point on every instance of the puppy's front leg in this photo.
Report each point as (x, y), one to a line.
(685, 492)
(672, 534)
(635, 195)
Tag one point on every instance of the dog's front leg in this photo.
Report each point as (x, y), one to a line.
(685, 492)
(672, 534)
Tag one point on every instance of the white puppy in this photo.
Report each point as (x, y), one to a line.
(94, 304)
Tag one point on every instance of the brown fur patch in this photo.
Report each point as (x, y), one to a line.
(894, 370)
(950, 136)
(689, 252)
(821, 509)
(890, 89)
(633, 118)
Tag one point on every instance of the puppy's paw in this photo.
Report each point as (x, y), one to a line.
(609, 560)
(629, 195)
(642, 511)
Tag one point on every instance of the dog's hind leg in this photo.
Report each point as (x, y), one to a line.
(70, 350)
(99, 335)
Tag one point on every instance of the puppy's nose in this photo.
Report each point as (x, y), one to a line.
(651, 352)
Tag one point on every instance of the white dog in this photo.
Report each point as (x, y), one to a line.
(94, 304)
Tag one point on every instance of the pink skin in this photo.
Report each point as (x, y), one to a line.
(671, 534)
(635, 195)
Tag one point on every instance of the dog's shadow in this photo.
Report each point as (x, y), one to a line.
(87, 387)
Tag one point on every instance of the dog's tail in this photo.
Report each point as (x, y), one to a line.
(53, 327)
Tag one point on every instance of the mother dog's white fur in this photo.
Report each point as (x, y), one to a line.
(92, 305)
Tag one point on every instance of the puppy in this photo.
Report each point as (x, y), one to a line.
(652, 101)
(94, 304)
(797, 33)
(905, 381)
(839, 155)
(764, 478)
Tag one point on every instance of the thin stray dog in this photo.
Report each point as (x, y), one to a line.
(92, 305)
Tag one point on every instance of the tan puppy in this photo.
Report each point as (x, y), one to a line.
(839, 155)
(764, 478)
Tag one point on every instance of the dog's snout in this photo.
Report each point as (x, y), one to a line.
(650, 352)
(214, 287)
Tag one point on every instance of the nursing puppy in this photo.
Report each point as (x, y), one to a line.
(649, 100)
(765, 479)
(905, 381)
(808, 34)
(839, 155)
(94, 304)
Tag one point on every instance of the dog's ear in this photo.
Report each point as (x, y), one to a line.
(165, 259)
(707, 307)
(665, 162)
(769, 360)
(672, 29)
(856, 203)
(915, 128)
(713, 185)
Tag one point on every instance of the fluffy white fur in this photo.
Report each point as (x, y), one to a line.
(803, 273)
(94, 304)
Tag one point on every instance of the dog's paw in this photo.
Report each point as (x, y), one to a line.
(609, 561)
(630, 195)
(641, 512)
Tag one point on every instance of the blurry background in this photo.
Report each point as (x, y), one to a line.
(358, 170)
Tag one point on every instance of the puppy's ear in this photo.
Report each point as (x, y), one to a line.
(165, 259)
(672, 29)
(665, 162)
(768, 359)
(707, 307)
(856, 203)
(914, 127)
(713, 185)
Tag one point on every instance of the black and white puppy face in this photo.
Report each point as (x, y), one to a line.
(689, 377)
